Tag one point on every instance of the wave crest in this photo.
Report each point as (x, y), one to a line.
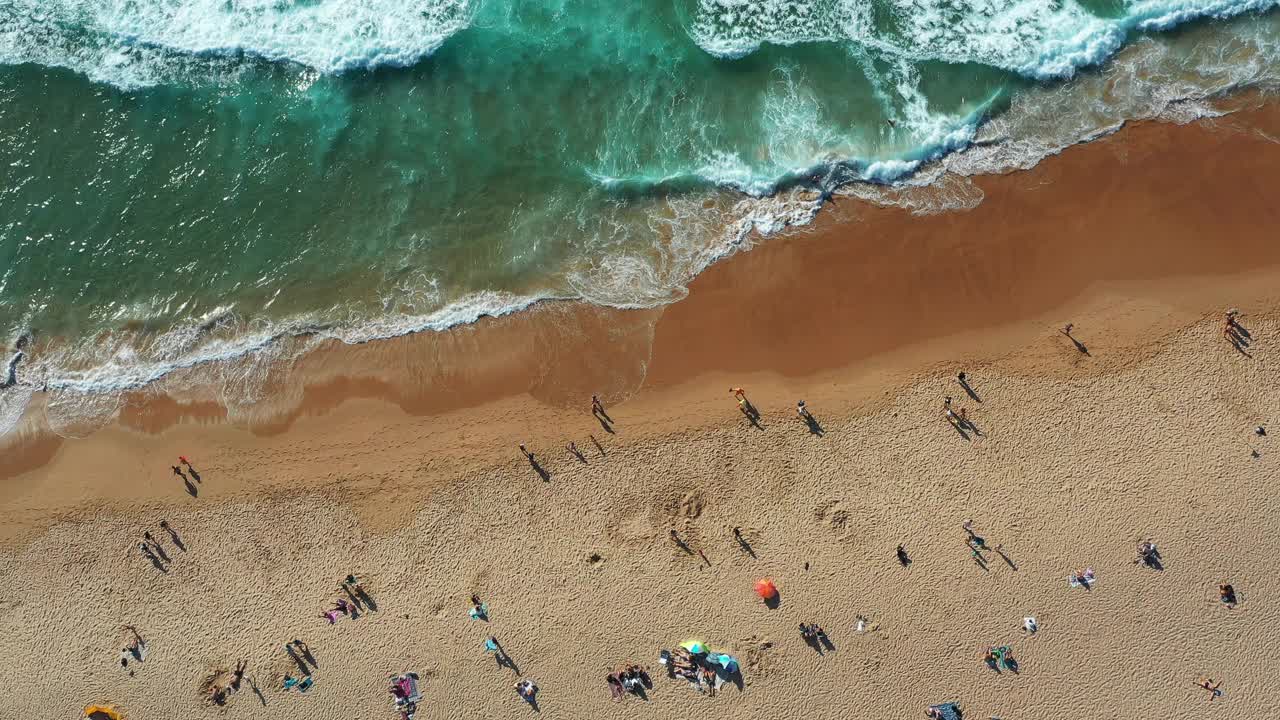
(136, 43)
(1040, 39)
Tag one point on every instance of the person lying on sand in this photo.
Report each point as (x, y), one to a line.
(1146, 553)
(1211, 686)
(479, 610)
(526, 689)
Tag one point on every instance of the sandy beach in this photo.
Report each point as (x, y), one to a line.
(398, 461)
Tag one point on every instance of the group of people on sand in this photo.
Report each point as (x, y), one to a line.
(753, 414)
(135, 650)
(1234, 332)
(221, 687)
(688, 665)
(813, 635)
(631, 679)
(152, 550)
(525, 688)
(349, 606)
(183, 462)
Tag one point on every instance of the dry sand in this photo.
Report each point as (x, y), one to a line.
(1080, 457)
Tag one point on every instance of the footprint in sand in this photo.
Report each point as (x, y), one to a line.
(691, 504)
(832, 514)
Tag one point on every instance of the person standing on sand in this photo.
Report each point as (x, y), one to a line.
(239, 675)
(527, 455)
(802, 411)
(178, 471)
(597, 407)
(146, 552)
(950, 414)
(1066, 329)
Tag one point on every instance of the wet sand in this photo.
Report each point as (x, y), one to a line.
(398, 461)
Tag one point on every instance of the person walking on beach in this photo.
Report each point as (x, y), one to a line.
(949, 413)
(974, 538)
(597, 409)
(136, 649)
(146, 553)
(177, 470)
(743, 404)
(239, 675)
(527, 455)
(147, 537)
(173, 535)
(803, 411)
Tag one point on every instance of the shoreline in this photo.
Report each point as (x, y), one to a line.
(921, 290)
(1068, 473)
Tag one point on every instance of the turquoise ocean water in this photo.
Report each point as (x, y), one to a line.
(186, 182)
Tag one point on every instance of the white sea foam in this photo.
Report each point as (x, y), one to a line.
(135, 43)
(800, 142)
(1042, 39)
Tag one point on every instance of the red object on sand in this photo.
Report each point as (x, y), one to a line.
(766, 589)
